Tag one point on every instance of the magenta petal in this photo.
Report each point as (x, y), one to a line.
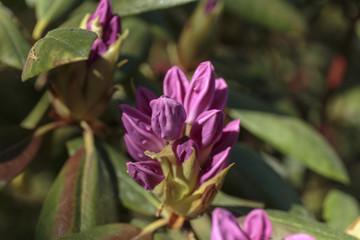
(104, 11)
(175, 84)
(146, 173)
(137, 126)
(225, 226)
(182, 149)
(143, 98)
(200, 94)
(112, 30)
(167, 117)
(215, 164)
(135, 150)
(300, 236)
(257, 225)
(221, 95)
(97, 49)
(207, 128)
(229, 136)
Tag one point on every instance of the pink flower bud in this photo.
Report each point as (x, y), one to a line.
(182, 148)
(225, 226)
(175, 84)
(143, 98)
(221, 95)
(215, 165)
(104, 11)
(146, 173)
(229, 136)
(299, 236)
(207, 128)
(200, 94)
(137, 127)
(167, 118)
(257, 225)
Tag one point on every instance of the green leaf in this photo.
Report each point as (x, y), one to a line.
(130, 7)
(285, 224)
(13, 46)
(132, 195)
(58, 47)
(296, 139)
(48, 12)
(266, 13)
(340, 209)
(253, 178)
(118, 231)
(81, 197)
(224, 200)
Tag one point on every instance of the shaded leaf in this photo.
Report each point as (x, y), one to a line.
(78, 201)
(58, 47)
(48, 12)
(252, 177)
(340, 209)
(76, 16)
(285, 224)
(295, 138)
(130, 7)
(13, 46)
(118, 231)
(224, 200)
(266, 13)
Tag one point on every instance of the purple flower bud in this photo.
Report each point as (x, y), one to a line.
(229, 136)
(182, 148)
(167, 118)
(112, 30)
(200, 94)
(175, 84)
(299, 236)
(221, 95)
(104, 12)
(210, 4)
(140, 137)
(97, 49)
(143, 98)
(146, 173)
(257, 225)
(207, 128)
(225, 226)
(214, 165)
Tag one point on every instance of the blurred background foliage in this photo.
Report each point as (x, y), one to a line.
(296, 59)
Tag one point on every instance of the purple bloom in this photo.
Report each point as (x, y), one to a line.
(257, 226)
(146, 173)
(183, 148)
(107, 25)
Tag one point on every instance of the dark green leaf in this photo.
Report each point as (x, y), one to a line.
(252, 177)
(48, 12)
(130, 7)
(58, 47)
(285, 224)
(340, 209)
(13, 46)
(266, 13)
(295, 138)
(79, 13)
(116, 231)
(81, 197)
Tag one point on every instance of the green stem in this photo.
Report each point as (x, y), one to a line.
(152, 227)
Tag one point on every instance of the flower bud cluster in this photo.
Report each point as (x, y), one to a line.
(178, 141)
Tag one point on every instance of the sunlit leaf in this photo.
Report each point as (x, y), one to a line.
(266, 13)
(130, 7)
(78, 200)
(13, 46)
(252, 177)
(118, 231)
(285, 224)
(58, 47)
(295, 138)
(340, 209)
(48, 12)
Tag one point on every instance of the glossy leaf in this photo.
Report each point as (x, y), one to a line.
(78, 200)
(253, 178)
(58, 47)
(130, 7)
(132, 195)
(296, 139)
(266, 14)
(285, 224)
(48, 12)
(118, 231)
(340, 209)
(13, 46)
